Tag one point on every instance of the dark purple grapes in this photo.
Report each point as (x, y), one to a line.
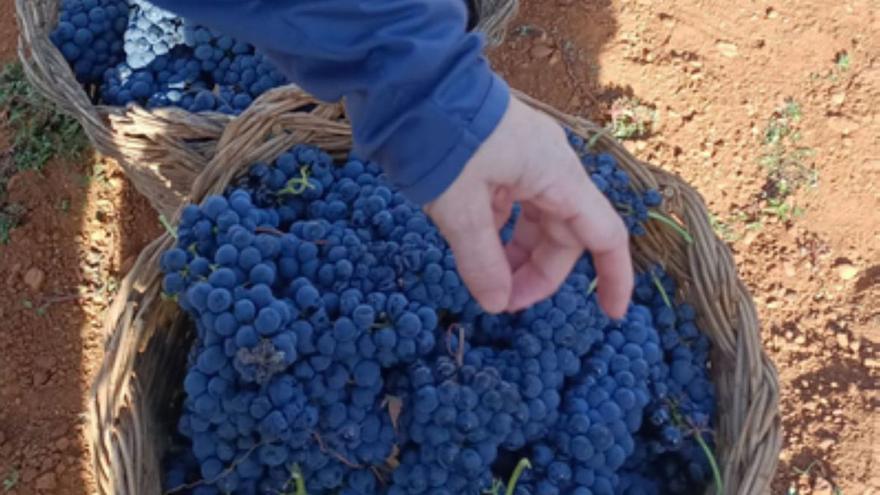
(333, 332)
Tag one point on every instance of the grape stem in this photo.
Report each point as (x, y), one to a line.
(698, 437)
(268, 230)
(229, 469)
(517, 474)
(688, 238)
(299, 484)
(591, 144)
(716, 472)
(592, 287)
(298, 185)
(168, 227)
(335, 454)
(660, 288)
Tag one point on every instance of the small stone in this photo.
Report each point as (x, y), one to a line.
(98, 235)
(541, 51)
(847, 271)
(729, 50)
(842, 340)
(840, 124)
(837, 99)
(28, 474)
(34, 278)
(46, 482)
(40, 378)
(62, 444)
(800, 340)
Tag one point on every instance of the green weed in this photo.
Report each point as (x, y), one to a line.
(631, 118)
(786, 162)
(40, 131)
(10, 480)
(723, 229)
(842, 61)
(10, 218)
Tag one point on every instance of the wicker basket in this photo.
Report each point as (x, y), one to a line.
(169, 145)
(148, 337)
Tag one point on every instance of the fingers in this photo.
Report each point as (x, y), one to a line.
(543, 273)
(502, 206)
(615, 274)
(475, 242)
(600, 229)
(588, 221)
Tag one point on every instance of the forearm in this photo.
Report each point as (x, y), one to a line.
(418, 90)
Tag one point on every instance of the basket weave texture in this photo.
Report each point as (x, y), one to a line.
(162, 151)
(148, 338)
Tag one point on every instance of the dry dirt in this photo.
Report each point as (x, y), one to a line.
(715, 76)
(711, 76)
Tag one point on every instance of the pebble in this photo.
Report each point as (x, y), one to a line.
(842, 340)
(34, 278)
(46, 482)
(62, 444)
(729, 50)
(40, 378)
(847, 271)
(541, 51)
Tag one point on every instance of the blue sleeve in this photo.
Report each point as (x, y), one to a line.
(417, 87)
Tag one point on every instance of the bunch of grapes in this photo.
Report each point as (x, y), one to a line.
(338, 349)
(137, 53)
(89, 34)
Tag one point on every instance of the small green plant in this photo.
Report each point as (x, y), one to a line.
(40, 130)
(98, 174)
(10, 480)
(631, 118)
(723, 229)
(40, 310)
(786, 162)
(842, 61)
(782, 209)
(10, 218)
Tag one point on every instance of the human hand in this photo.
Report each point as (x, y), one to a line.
(527, 159)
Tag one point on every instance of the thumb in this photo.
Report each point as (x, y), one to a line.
(476, 244)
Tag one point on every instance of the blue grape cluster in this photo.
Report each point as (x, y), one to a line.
(336, 344)
(144, 55)
(615, 185)
(89, 34)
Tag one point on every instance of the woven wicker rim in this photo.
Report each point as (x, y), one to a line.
(146, 335)
(162, 150)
